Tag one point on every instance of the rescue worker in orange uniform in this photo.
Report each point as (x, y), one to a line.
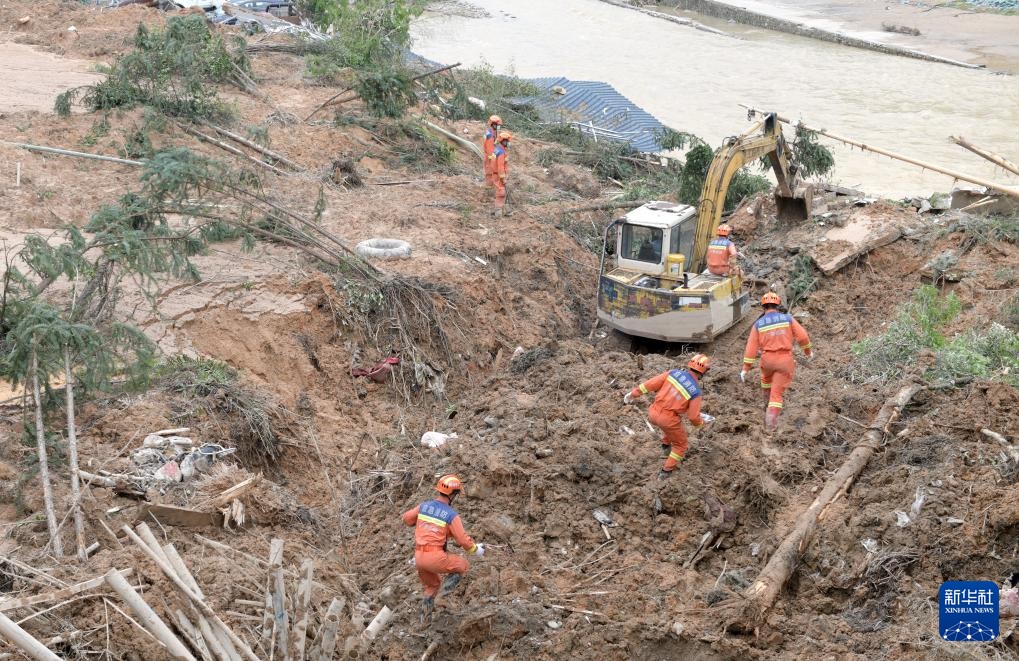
(491, 134)
(679, 392)
(501, 169)
(436, 521)
(721, 252)
(772, 336)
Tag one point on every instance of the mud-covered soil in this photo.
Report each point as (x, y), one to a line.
(544, 439)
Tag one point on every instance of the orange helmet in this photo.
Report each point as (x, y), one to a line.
(449, 484)
(505, 135)
(495, 119)
(771, 298)
(724, 230)
(699, 363)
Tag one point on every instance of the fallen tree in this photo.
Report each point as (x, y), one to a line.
(761, 595)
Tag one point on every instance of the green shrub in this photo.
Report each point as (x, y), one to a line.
(386, 93)
(368, 32)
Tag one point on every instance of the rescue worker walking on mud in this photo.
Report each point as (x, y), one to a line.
(678, 391)
(491, 135)
(436, 521)
(501, 170)
(772, 337)
(722, 253)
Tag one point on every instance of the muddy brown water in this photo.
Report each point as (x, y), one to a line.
(693, 81)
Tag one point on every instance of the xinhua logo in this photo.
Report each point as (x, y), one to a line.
(968, 611)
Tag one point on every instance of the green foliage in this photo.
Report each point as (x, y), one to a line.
(813, 158)
(695, 171)
(453, 94)
(173, 70)
(100, 129)
(802, 280)
(386, 93)
(986, 229)
(195, 377)
(918, 330)
(367, 32)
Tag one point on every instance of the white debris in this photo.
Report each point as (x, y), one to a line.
(677, 628)
(603, 517)
(918, 501)
(554, 624)
(435, 439)
(901, 519)
(870, 545)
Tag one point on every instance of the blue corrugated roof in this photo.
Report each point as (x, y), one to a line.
(588, 103)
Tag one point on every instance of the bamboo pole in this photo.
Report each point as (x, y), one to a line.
(466, 144)
(44, 466)
(56, 595)
(72, 456)
(899, 157)
(761, 595)
(253, 145)
(1000, 161)
(24, 641)
(229, 149)
(193, 635)
(377, 624)
(330, 625)
(68, 152)
(148, 617)
(302, 610)
(199, 603)
(281, 618)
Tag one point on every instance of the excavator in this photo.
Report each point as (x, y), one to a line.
(652, 281)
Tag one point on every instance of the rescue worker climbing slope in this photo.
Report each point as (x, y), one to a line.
(501, 169)
(436, 521)
(679, 392)
(772, 337)
(491, 135)
(721, 252)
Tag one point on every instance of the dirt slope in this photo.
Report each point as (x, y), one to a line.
(543, 439)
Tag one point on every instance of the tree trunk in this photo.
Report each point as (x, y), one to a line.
(762, 593)
(44, 466)
(72, 454)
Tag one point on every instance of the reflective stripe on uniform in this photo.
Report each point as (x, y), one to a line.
(774, 405)
(678, 386)
(749, 361)
(677, 457)
(432, 520)
(642, 388)
(765, 385)
(771, 327)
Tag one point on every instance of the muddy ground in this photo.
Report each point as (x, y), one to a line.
(543, 438)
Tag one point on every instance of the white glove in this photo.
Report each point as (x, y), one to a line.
(811, 356)
(480, 551)
(743, 376)
(628, 398)
(708, 419)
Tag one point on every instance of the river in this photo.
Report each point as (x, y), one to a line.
(694, 81)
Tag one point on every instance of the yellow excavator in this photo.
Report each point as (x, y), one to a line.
(653, 283)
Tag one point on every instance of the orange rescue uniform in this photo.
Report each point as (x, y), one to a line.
(435, 523)
(500, 158)
(678, 392)
(490, 134)
(772, 336)
(720, 251)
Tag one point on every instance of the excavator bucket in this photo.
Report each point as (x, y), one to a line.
(797, 207)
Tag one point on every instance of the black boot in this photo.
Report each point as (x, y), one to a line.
(449, 584)
(666, 449)
(664, 474)
(427, 606)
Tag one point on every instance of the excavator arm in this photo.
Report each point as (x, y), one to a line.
(764, 138)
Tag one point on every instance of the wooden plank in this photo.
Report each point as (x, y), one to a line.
(168, 515)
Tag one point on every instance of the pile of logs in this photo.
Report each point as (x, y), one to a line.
(291, 624)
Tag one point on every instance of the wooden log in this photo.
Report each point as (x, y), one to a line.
(258, 562)
(899, 157)
(121, 484)
(168, 515)
(1012, 451)
(72, 457)
(24, 641)
(1000, 161)
(281, 619)
(150, 540)
(430, 650)
(377, 624)
(606, 205)
(466, 144)
(302, 610)
(215, 642)
(199, 603)
(330, 625)
(335, 98)
(148, 617)
(761, 595)
(56, 595)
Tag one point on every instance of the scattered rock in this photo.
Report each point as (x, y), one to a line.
(491, 422)
(677, 628)
(554, 624)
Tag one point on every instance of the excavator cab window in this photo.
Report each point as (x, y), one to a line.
(681, 238)
(643, 244)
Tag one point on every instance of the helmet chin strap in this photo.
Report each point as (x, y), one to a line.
(452, 496)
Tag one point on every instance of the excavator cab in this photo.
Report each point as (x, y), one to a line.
(645, 288)
(651, 284)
